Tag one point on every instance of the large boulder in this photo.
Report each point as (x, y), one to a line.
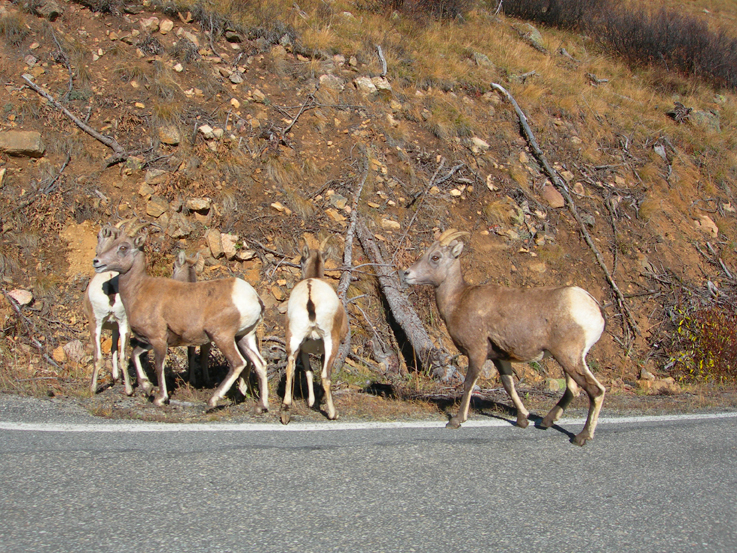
(22, 143)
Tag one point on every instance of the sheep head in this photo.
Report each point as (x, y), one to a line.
(118, 247)
(434, 265)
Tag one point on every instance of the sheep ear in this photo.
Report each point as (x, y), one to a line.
(181, 258)
(456, 248)
(305, 251)
(140, 240)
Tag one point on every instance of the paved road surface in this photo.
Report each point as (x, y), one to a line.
(70, 482)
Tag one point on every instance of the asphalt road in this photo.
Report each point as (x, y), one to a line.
(70, 482)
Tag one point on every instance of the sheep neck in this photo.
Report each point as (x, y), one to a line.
(449, 291)
(131, 281)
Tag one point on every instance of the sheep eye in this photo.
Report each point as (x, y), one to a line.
(435, 258)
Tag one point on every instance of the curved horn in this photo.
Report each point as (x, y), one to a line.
(451, 234)
(135, 227)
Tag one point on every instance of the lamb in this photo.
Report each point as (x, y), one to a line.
(163, 312)
(317, 323)
(104, 309)
(514, 325)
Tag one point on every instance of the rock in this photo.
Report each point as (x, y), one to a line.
(338, 201)
(229, 242)
(706, 120)
(365, 85)
(150, 24)
(199, 204)
(74, 351)
(206, 131)
(278, 293)
(3, 170)
(214, 242)
(155, 176)
(479, 145)
(59, 355)
(567, 176)
(381, 83)
(233, 37)
(169, 134)
(388, 224)
(21, 297)
(145, 191)
(22, 143)
(48, 9)
(245, 255)
(281, 208)
(332, 82)
(135, 163)
(258, 96)
(179, 227)
(555, 384)
(665, 386)
(236, 77)
(553, 197)
(157, 206)
(646, 375)
(706, 224)
(531, 35)
(166, 26)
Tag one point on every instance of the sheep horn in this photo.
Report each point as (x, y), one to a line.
(451, 234)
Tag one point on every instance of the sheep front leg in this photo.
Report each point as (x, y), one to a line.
(474, 369)
(122, 361)
(95, 331)
(505, 372)
(159, 359)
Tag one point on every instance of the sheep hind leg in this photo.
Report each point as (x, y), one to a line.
(556, 412)
(160, 360)
(596, 393)
(248, 346)
(309, 377)
(505, 373)
(286, 405)
(236, 362)
(331, 352)
(95, 331)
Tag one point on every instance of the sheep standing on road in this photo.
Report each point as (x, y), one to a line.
(514, 325)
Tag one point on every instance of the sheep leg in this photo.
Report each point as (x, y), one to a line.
(505, 372)
(143, 380)
(309, 376)
(596, 393)
(114, 350)
(556, 412)
(237, 364)
(474, 369)
(96, 331)
(204, 363)
(194, 373)
(124, 338)
(287, 401)
(248, 345)
(159, 359)
(331, 352)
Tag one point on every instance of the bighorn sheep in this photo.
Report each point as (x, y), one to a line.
(510, 324)
(163, 312)
(184, 271)
(104, 309)
(317, 323)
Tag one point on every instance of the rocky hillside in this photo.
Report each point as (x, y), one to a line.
(241, 140)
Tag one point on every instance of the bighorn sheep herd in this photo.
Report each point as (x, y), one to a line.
(491, 322)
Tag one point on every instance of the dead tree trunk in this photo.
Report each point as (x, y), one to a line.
(436, 360)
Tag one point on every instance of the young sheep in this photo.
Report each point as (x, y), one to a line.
(183, 271)
(104, 309)
(163, 312)
(317, 323)
(514, 325)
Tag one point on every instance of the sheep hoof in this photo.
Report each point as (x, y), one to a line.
(260, 409)
(284, 417)
(546, 423)
(161, 401)
(581, 439)
(522, 421)
(453, 423)
(212, 402)
(333, 417)
(147, 387)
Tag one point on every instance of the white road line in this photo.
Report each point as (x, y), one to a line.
(324, 427)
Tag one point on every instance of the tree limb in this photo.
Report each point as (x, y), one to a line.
(563, 188)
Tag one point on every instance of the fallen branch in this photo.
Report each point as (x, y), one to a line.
(436, 360)
(30, 327)
(119, 153)
(382, 59)
(563, 188)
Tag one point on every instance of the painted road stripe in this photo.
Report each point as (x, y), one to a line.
(324, 427)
